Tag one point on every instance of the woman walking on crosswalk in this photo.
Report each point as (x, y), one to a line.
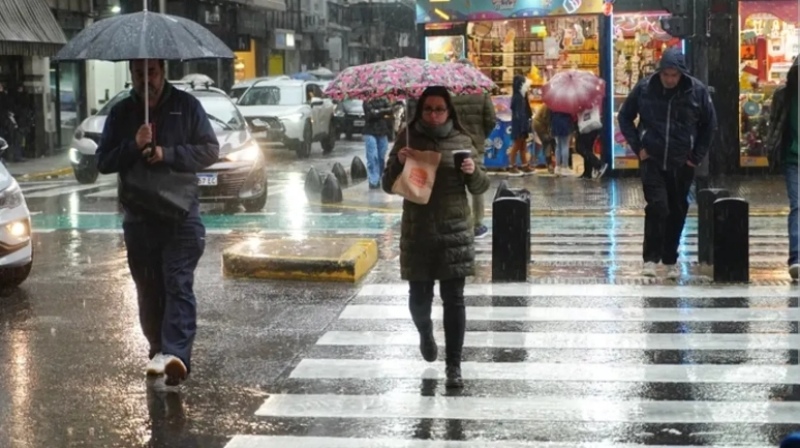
(437, 238)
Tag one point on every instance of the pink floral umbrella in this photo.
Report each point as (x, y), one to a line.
(403, 78)
(572, 91)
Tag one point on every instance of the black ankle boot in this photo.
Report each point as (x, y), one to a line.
(454, 380)
(427, 346)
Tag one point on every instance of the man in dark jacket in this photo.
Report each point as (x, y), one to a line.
(162, 255)
(476, 113)
(377, 128)
(676, 127)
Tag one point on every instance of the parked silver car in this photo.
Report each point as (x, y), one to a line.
(16, 249)
(240, 176)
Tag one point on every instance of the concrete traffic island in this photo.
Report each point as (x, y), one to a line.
(314, 259)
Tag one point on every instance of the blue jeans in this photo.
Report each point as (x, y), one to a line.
(562, 152)
(794, 198)
(376, 157)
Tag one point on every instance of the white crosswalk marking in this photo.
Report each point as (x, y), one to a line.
(65, 190)
(670, 366)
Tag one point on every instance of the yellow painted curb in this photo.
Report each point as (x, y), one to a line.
(46, 174)
(312, 259)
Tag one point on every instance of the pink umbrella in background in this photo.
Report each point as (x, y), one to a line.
(572, 91)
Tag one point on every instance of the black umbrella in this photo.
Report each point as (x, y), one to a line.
(144, 35)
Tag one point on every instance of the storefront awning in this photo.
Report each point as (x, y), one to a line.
(275, 5)
(28, 28)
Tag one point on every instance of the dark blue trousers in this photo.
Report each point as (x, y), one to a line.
(162, 258)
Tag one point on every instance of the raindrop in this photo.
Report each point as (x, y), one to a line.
(84, 303)
(52, 331)
(70, 431)
(91, 432)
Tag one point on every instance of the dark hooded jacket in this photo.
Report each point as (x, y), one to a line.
(675, 125)
(778, 136)
(181, 128)
(521, 112)
(377, 113)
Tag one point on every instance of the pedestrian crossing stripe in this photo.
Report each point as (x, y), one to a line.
(257, 441)
(533, 290)
(532, 314)
(530, 340)
(374, 369)
(414, 406)
(673, 386)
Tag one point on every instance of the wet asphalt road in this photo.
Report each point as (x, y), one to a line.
(589, 351)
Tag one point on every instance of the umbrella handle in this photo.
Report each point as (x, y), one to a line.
(148, 150)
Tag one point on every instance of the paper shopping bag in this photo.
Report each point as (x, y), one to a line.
(415, 183)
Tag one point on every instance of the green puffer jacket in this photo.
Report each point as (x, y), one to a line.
(437, 239)
(477, 115)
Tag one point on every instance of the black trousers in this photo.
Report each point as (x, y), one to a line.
(666, 194)
(455, 316)
(584, 144)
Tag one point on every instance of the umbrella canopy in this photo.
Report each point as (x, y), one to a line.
(572, 91)
(144, 35)
(401, 78)
(470, 74)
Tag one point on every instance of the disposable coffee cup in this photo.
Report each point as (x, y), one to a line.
(459, 156)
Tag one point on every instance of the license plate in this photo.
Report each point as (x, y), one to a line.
(358, 123)
(207, 179)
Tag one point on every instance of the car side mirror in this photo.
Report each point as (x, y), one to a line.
(93, 111)
(317, 102)
(3, 146)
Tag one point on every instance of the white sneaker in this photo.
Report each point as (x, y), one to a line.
(155, 366)
(175, 370)
(674, 272)
(649, 269)
(794, 271)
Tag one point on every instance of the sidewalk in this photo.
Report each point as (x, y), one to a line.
(41, 168)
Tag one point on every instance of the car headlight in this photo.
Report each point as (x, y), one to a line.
(292, 117)
(19, 230)
(250, 153)
(11, 197)
(78, 134)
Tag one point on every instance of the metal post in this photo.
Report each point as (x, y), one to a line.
(731, 240)
(511, 235)
(705, 223)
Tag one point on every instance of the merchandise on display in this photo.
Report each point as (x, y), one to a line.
(535, 48)
(639, 42)
(768, 44)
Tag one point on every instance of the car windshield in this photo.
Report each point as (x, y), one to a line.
(222, 113)
(237, 92)
(113, 102)
(272, 96)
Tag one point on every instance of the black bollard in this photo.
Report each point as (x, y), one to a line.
(511, 234)
(313, 181)
(731, 240)
(331, 190)
(340, 173)
(705, 223)
(358, 171)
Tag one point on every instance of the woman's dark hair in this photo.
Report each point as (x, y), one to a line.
(441, 92)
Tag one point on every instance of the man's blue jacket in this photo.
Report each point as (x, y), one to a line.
(180, 126)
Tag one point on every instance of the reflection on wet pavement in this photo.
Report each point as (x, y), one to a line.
(587, 354)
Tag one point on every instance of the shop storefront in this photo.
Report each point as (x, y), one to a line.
(638, 42)
(769, 40)
(539, 38)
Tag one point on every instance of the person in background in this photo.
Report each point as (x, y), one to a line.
(584, 145)
(24, 114)
(521, 115)
(561, 128)
(162, 255)
(676, 128)
(541, 126)
(437, 238)
(782, 144)
(376, 137)
(477, 115)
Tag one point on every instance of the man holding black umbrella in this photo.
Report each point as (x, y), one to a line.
(162, 252)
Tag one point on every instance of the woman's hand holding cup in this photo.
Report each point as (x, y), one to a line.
(463, 161)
